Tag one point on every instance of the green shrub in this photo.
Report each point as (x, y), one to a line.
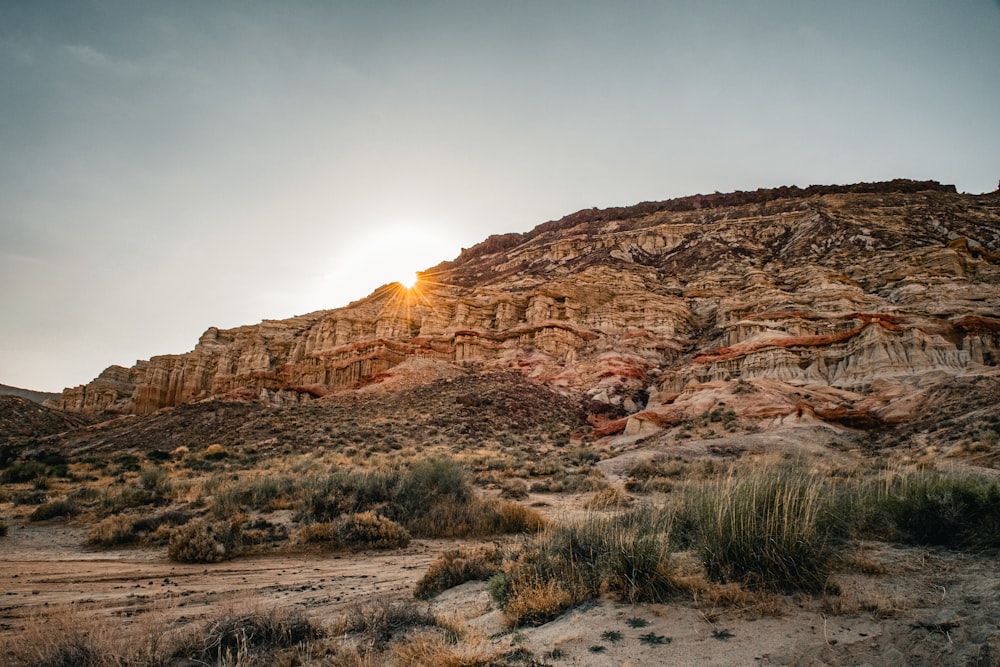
(766, 528)
(201, 542)
(927, 507)
(24, 471)
(36, 497)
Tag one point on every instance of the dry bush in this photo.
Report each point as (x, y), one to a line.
(122, 530)
(514, 489)
(67, 637)
(457, 566)
(379, 621)
(536, 602)
(63, 508)
(610, 498)
(215, 452)
(317, 533)
(201, 542)
(115, 530)
(371, 531)
(248, 638)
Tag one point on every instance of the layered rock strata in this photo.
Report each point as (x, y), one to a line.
(861, 295)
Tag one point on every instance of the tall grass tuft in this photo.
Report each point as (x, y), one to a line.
(929, 507)
(767, 528)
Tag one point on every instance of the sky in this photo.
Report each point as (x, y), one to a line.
(170, 166)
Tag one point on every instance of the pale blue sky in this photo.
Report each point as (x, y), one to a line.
(170, 166)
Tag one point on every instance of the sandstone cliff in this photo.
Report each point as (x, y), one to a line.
(857, 297)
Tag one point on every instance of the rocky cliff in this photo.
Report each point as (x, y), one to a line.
(838, 303)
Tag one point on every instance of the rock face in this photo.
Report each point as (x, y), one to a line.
(859, 297)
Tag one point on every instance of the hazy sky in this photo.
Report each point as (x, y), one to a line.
(167, 166)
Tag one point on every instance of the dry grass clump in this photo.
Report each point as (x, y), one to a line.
(609, 498)
(202, 542)
(430, 649)
(62, 508)
(432, 498)
(248, 638)
(628, 555)
(261, 492)
(123, 530)
(514, 489)
(374, 624)
(115, 530)
(364, 530)
(67, 637)
(457, 566)
(535, 602)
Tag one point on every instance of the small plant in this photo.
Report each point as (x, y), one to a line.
(597, 649)
(609, 498)
(613, 636)
(653, 639)
(514, 489)
(636, 622)
(722, 635)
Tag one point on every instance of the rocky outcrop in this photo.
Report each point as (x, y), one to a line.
(652, 312)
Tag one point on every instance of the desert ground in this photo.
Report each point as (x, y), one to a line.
(885, 602)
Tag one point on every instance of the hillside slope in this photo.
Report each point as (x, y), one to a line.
(843, 304)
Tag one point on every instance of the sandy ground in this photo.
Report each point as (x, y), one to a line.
(42, 566)
(922, 607)
(929, 607)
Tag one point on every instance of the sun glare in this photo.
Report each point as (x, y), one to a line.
(408, 280)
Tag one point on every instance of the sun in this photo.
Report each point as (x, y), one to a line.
(408, 279)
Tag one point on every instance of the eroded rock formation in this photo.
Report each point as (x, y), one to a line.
(857, 296)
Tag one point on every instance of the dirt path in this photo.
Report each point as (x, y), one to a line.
(44, 566)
